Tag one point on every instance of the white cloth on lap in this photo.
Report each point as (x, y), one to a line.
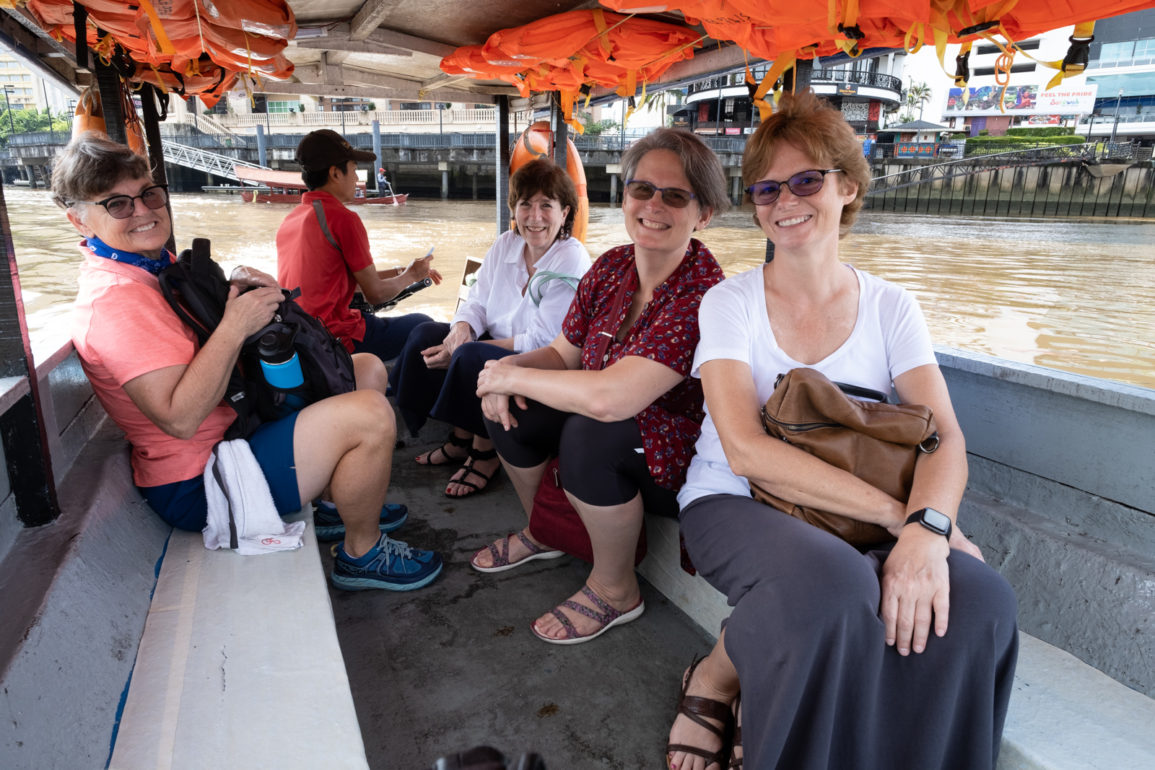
(241, 513)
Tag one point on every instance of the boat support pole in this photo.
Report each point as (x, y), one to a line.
(22, 433)
(108, 81)
(501, 173)
(148, 97)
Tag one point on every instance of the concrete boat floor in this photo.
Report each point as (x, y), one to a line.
(455, 665)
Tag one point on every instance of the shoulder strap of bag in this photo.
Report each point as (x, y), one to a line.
(603, 344)
(320, 210)
(538, 280)
(857, 391)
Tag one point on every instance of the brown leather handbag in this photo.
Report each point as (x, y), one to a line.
(876, 441)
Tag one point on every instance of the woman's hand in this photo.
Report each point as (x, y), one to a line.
(494, 387)
(915, 589)
(459, 334)
(248, 313)
(436, 357)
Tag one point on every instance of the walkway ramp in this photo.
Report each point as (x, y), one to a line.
(203, 160)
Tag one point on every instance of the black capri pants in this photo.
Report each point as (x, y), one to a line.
(602, 463)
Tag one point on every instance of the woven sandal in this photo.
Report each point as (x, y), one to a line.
(464, 481)
(606, 615)
(698, 709)
(461, 442)
(499, 550)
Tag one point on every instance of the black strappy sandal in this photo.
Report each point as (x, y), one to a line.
(698, 709)
(736, 743)
(474, 456)
(461, 442)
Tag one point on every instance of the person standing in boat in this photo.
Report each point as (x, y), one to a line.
(323, 248)
(523, 290)
(166, 392)
(611, 395)
(893, 656)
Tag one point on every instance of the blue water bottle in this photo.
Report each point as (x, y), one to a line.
(280, 364)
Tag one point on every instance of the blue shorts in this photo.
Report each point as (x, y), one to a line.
(182, 504)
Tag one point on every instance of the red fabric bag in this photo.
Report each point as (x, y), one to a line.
(556, 524)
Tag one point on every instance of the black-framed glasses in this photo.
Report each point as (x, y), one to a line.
(674, 197)
(122, 206)
(801, 184)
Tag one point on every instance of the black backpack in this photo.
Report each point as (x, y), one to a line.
(196, 289)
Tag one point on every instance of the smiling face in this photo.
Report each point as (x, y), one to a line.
(145, 232)
(656, 228)
(795, 221)
(539, 220)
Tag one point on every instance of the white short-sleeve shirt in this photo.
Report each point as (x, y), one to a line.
(890, 337)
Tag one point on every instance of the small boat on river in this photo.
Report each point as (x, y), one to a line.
(272, 186)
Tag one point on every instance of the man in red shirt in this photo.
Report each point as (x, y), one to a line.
(323, 248)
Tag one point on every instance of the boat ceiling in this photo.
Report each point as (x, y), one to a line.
(393, 48)
(379, 48)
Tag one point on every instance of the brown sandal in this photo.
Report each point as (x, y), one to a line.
(698, 709)
(736, 743)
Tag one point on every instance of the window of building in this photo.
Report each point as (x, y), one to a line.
(283, 106)
(979, 72)
(1025, 45)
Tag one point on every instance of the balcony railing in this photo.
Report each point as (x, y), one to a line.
(871, 79)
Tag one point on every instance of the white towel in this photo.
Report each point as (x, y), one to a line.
(241, 510)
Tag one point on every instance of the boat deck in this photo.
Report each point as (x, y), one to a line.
(455, 665)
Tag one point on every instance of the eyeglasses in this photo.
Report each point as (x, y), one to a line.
(674, 197)
(801, 184)
(122, 206)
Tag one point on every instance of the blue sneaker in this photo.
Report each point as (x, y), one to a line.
(391, 565)
(329, 526)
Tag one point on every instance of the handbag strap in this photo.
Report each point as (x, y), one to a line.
(851, 390)
(601, 348)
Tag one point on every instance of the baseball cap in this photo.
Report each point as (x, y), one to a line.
(324, 148)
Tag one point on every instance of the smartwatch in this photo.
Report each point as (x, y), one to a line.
(936, 521)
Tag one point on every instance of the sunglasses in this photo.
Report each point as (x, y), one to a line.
(122, 206)
(801, 184)
(675, 197)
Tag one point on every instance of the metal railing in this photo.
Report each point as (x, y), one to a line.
(1063, 153)
(871, 79)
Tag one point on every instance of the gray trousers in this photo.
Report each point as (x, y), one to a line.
(820, 688)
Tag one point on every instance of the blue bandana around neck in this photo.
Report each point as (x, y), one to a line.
(154, 266)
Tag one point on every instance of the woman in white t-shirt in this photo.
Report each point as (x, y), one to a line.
(523, 291)
(828, 645)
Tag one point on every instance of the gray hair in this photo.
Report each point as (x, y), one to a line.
(699, 163)
(92, 164)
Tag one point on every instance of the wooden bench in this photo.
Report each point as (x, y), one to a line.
(239, 666)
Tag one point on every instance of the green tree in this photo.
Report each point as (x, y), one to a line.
(917, 95)
(31, 121)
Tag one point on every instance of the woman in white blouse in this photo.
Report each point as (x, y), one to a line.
(522, 293)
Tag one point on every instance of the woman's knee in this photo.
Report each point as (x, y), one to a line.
(370, 372)
(425, 335)
(363, 415)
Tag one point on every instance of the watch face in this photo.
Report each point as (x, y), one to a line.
(936, 520)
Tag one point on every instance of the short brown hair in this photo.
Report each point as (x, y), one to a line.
(92, 164)
(699, 163)
(817, 129)
(546, 177)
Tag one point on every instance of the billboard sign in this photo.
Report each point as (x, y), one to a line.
(1021, 100)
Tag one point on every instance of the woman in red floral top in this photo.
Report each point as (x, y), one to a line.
(611, 397)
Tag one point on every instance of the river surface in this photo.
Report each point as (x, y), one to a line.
(1076, 295)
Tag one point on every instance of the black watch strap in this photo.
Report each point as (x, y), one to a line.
(936, 521)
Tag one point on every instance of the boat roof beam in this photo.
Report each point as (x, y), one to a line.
(369, 18)
(380, 41)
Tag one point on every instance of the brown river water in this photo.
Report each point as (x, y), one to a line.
(1076, 295)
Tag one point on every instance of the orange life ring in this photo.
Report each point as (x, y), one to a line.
(537, 142)
(90, 117)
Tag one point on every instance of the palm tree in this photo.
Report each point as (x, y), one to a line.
(917, 96)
